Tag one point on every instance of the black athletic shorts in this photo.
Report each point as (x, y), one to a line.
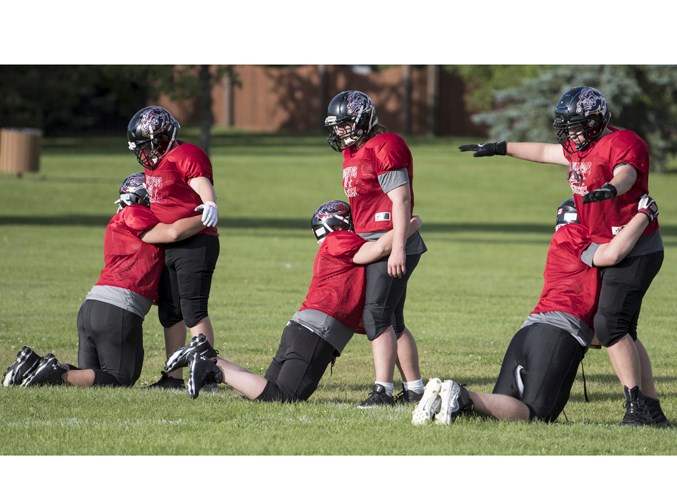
(187, 279)
(539, 369)
(299, 364)
(620, 298)
(385, 297)
(110, 341)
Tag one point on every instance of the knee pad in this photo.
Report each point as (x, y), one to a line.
(608, 331)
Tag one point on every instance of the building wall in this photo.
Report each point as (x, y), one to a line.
(294, 98)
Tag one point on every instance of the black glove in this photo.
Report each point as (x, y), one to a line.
(606, 192)
(487, 149)
(648, 207)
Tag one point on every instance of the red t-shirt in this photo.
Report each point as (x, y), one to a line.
(128, 261)
(569, 285)
(371, 208)
(338, 285)
(590, 169)
(171, 197)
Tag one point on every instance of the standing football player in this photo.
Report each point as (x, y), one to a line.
(179, 180)
(318, 331)
(608, 171)
(542, 359)
(110, 338)
(377, 178)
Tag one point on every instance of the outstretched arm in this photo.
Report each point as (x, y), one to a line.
(372, 251)
(537, 152)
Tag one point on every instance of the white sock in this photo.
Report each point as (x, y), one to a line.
(390, 387)
(415, 386)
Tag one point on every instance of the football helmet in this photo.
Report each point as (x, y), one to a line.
(350, 116)
(566, 213)
(133, 191)
(581, 115)
(151, 133)
(331, 216)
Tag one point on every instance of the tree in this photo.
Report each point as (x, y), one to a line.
(640, 98)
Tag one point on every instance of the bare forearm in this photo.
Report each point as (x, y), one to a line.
(537, 152)
(204, 188)
(617, 249)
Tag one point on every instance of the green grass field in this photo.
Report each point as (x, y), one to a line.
(487, 224)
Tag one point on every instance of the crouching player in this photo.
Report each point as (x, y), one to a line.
(318, 331)
(110, 338)
(542, 359)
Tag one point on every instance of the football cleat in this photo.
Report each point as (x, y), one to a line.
(26, 362)
(377, 398)
(408, 396)
(203, 374)
(198, 344)
(429, 405)
(454, 399)
(48, 372)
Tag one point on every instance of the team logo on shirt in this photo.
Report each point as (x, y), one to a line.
(153, 185)
(577, 176)
(349, 176)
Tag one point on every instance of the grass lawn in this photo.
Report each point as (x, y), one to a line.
(487, 224)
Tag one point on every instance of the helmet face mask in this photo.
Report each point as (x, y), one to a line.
(133, 191)
(566, 213)
(581, 115)
(331, 216)
(350, 116)
(150, 134)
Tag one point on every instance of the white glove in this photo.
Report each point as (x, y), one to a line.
(210, 213)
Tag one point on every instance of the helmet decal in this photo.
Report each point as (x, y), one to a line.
(590, 101)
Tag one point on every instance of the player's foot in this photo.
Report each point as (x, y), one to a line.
(657, 414)
(203, 372)
(636, 411)
(408, 396)
(198, 344)
(429, 404)
(377, 398)
(48, 372)
(166, 382)
(455, 399)
(26, 362)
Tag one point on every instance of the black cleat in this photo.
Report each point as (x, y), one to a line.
(408, 396)
(198, 344)
(48, 372)
(636, 411)
(377, 398)
(26, 362)
(166, 382)
(204, 374)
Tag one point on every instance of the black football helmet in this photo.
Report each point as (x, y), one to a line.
(566, 213)
(331, 216)
(582, 111)
(349, 107)
(151, 133)
(133, 191)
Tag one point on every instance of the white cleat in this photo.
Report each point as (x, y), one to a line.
(429, 404)
(450, 405)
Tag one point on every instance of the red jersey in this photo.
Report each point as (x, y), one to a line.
(128, 261)
(171, 197)
(591, 168)
(569, 284)
(371, 208)
(338, 285)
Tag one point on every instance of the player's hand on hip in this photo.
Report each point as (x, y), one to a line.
(648, 207)
(210, 213)
(487, 149)
(606, 192)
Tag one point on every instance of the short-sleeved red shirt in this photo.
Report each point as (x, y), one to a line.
(338, 285)
(128, 261)
(591, 168)
(371, 208)
(171, 197)
(569, 285)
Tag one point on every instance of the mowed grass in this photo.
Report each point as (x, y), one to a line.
(487, 224)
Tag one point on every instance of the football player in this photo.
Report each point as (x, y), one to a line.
(608, 171)
(318, 331)
(110, 338)
(542, 359)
